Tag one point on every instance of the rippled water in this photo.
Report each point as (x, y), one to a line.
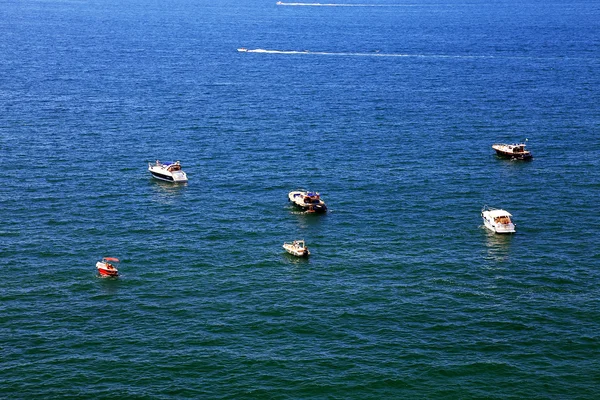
(389, 112)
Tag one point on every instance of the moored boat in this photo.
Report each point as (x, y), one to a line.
(497, 220)
(297, 248)
(168, 171)
(107, 266)
(512, 151)
(309, 202)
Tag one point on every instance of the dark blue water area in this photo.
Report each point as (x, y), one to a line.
(389, 110)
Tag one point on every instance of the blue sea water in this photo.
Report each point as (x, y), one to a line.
(389, 110)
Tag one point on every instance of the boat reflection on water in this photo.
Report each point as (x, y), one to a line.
(110, 286)
(497, 246)
(295, 262)
(307, 221)
(166, 192)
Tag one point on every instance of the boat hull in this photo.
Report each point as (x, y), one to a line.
(161, 177)
(514, 156)
(167, 178)
(312, 208)
(105, 272)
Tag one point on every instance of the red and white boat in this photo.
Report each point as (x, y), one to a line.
(108, 266)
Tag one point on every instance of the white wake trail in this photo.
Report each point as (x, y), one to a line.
(280, 3)
(357, 54)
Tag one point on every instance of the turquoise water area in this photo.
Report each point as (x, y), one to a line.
(388, 110)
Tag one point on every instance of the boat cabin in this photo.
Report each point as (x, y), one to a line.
(174, 167)
(504, 219)
(312, 198)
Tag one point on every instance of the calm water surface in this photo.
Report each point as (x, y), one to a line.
(388, 110)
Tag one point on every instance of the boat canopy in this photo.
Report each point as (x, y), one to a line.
(499, 213)
(113, 259)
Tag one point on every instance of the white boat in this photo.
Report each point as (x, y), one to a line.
(497, 220)
(107, 266)
(512, 151)
(308, 201)
(297, 248)
(242, 50)
(169, 171)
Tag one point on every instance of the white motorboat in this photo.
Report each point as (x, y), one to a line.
(297, 248)
(107, 266)
(169, 171)
(308, 201)
(512, 151)
(497, 220)
(242, 50)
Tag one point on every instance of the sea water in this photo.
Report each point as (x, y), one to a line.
(388, 109)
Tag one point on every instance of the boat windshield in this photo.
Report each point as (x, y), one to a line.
(315, 199)
(505, 220)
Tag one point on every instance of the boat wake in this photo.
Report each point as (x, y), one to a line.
(358, 54)
(376, 53)
(280, 3)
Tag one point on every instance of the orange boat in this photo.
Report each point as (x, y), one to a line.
(108, 266)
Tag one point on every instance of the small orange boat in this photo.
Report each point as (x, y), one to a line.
(108, 266)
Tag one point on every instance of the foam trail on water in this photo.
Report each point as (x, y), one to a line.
(374, 54)
(378, 54)
(280, 3)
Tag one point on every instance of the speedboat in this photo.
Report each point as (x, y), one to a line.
(169, 171)
(108, 266)
(497, 220)
(308, 201)
(242, 50)
(297, 248)
(512, 151)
